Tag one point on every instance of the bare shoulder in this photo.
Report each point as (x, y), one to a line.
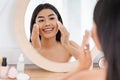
(74, 44)
(90, 75)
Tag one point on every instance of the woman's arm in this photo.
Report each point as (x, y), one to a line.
(84, 57)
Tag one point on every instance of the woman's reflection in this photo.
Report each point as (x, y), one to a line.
(48, 35)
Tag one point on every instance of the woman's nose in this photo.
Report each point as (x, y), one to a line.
(47, 23)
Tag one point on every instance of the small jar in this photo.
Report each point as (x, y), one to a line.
(23, 76)
(102, 62)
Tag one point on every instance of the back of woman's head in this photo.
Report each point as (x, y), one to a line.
(107, 19)
(40, 8)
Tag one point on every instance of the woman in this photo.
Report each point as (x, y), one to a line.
(48, 35)
(106, 33)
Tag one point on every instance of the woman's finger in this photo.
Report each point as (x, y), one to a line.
(62, 28)
(35, 36)
(64, 33)
(35, 31)
(85, 40)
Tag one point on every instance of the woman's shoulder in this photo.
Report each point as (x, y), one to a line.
(90, 75)
(74, 44)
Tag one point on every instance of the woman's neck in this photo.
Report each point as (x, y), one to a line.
(48, 43)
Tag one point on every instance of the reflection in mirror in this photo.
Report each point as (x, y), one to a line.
(43, 30)
(48, 35)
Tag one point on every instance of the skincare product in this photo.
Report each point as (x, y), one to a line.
(4, 68)
(98, 61)
(23, 76)
(102, 62)
(20, 64)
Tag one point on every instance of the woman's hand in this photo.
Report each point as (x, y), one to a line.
(66, 43)
(64, 35)
(74, 49)
(35, 37)
(84, 57)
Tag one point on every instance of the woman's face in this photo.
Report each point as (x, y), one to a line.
(47, 21)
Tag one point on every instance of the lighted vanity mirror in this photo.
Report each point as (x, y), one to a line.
(72, 22)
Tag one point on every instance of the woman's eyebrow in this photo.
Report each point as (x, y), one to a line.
(40, 17)
(51, 15)
(48, 16)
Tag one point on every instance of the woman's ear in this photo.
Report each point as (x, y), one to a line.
(95, 37)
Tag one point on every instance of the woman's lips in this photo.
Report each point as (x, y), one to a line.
(48, 30)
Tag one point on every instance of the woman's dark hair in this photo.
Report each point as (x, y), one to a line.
(107, 19)
(37, 10)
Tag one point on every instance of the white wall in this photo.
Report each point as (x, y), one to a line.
(87, 8)
(8, 44)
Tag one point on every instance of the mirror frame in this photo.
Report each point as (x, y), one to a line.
(27, 48)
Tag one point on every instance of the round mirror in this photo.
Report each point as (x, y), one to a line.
(28, 49)
(72, 22)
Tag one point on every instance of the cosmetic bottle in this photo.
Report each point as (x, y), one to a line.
(20, 64)
(4, 68)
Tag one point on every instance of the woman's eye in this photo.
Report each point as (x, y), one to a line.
(52, 18)
(40, 20)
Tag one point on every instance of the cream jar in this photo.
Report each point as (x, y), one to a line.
(23, 76)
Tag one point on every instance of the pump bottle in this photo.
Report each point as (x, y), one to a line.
(20, 64)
